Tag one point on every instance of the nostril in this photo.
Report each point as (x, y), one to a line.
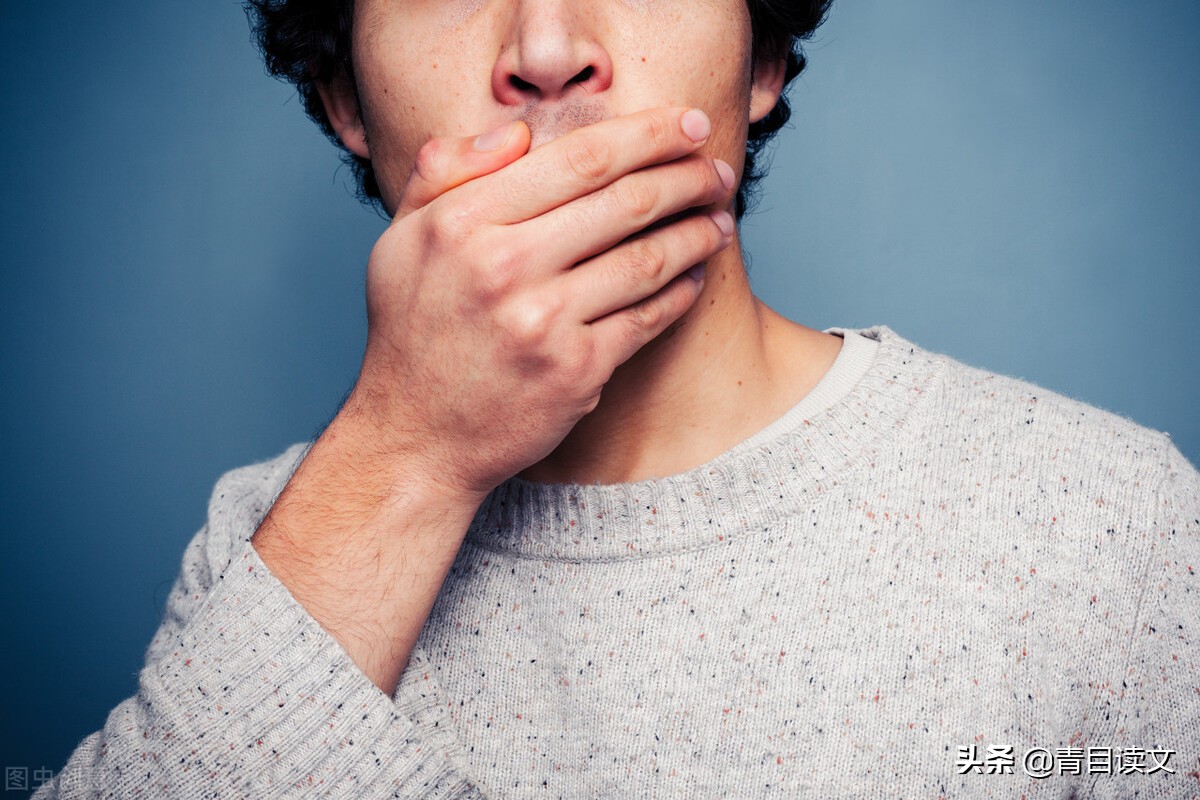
(549, 71)
(520, 85)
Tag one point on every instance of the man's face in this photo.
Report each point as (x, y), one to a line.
(434, 68)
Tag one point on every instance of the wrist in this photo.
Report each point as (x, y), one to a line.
(384, 458)
(359, 496)
(364, 542)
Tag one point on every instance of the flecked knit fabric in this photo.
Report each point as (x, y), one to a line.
(901, 595)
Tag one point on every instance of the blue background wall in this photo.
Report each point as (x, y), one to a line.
(1015, 184)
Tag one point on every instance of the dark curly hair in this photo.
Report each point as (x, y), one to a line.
(308, 43)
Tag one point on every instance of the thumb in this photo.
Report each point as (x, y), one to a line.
(443, 164)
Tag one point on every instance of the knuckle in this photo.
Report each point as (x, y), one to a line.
(591, 402)
(636, 198)
(575, 363)
(646, 317)
(497, 275)
(658, 132)
(449, 223)
(645, 259)
(428, 164)
(707, 235)
(588, 158)
(706, 176)
(528, 324)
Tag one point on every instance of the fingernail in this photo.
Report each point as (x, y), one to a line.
(495, 138)
(696, 125)
(724, 221)
(696, 273)
(726, 173)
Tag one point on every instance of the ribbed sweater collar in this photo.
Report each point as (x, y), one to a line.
(762, 480)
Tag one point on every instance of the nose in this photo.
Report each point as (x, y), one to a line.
(551, 51)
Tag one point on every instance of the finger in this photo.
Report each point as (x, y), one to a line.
(599, 221)
(589, 158)
(622, 333)
(443, 164)
(641, 266)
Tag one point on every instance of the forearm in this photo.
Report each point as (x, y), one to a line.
(363, 540)
(246, 695)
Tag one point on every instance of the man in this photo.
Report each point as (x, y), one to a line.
(594, 519)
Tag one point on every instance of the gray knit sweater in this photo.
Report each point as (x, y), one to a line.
(902, 594)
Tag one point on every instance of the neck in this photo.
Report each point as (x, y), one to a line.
(725, 370)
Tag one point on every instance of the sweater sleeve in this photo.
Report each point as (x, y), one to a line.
(244, 694)
(1158, 725)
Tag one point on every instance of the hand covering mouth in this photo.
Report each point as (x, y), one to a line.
(548, 121)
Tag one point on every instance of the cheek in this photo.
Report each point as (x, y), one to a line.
(401, 109)
(698, 51)
(714, 78)
(390, 114)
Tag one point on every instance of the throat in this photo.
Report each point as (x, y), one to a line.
(730, 367)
